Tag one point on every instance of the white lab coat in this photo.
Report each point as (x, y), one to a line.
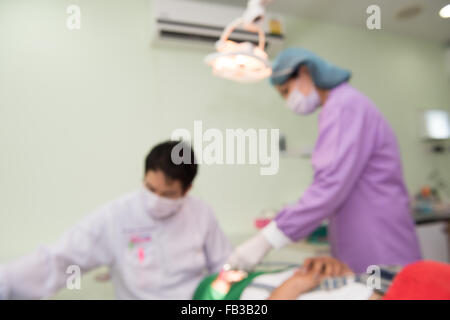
(176, 254)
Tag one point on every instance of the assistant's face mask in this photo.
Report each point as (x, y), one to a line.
(301, 104)
(161, 208)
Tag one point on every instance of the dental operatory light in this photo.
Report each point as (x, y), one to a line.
(445, 12)
(242, 61)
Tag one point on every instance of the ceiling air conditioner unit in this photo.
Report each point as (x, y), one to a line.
(200, 24)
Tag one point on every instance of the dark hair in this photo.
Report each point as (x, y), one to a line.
(160, 158)
(296, 72)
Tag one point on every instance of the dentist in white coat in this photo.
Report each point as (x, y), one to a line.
(158, 241)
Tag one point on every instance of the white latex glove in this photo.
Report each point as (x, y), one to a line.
(247, 255)
(251, 252)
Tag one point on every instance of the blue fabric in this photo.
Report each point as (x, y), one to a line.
(325, 75)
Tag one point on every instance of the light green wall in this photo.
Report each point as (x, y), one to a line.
(79, 110)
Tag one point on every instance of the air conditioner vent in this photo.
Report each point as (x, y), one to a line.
(190, 23)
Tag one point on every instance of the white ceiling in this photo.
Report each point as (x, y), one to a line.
(427, 24)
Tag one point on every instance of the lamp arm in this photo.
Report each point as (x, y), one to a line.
(262, 38)
(253, 27)
(229, 29)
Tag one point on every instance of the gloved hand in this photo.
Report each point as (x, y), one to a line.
(249, 254)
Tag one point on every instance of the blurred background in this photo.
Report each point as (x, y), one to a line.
(80, 109)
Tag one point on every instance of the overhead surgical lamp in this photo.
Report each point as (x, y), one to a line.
(242, 62)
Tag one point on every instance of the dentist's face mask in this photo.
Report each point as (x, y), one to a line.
(161, 208)
(301, 104)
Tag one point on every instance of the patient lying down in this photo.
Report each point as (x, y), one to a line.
(326, 278)
(305, 283)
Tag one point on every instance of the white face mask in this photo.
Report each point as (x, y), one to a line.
(161, 208)
(301, 104)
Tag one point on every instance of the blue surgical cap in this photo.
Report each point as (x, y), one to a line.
(324, 74)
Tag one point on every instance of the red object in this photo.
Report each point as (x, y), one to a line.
(222, 276)
(141, 255)
(423, 280)
(426, 191)
(262, 222)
